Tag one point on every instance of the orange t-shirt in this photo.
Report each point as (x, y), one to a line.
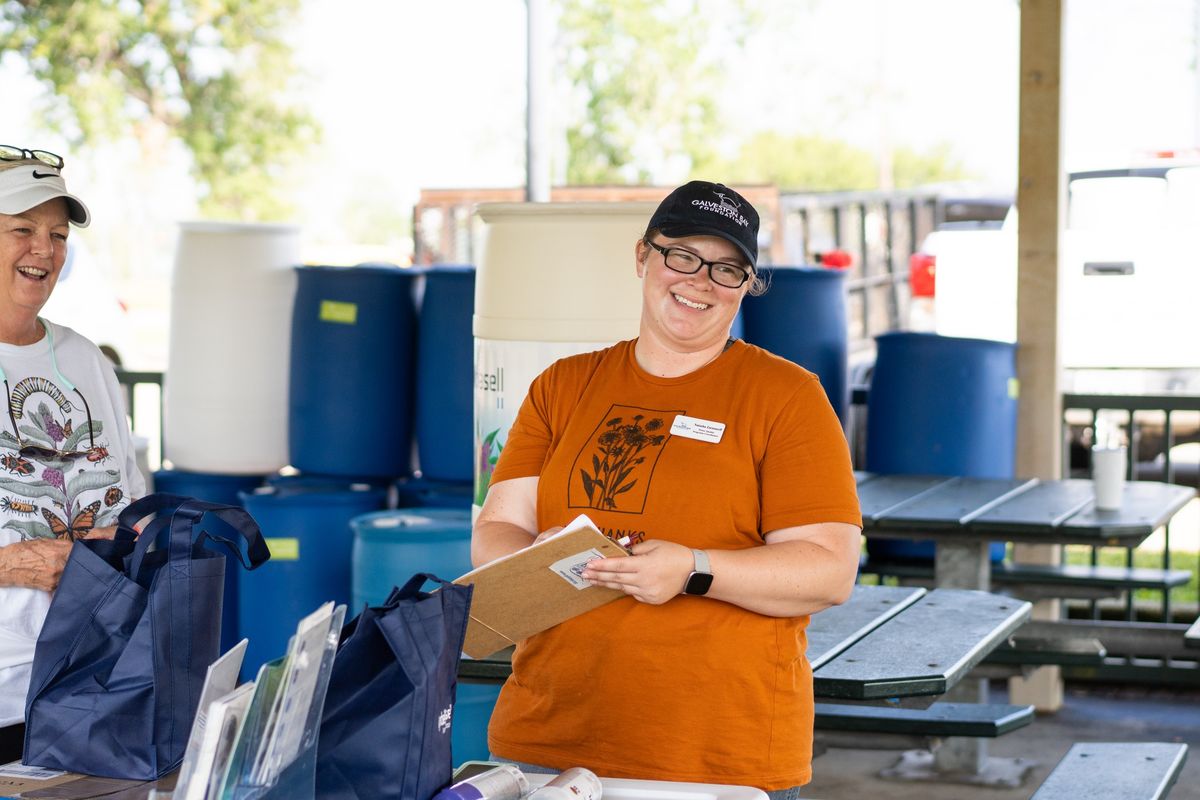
(695, 689)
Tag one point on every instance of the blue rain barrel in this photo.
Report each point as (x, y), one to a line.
(941, 405)
(473, 706)
(308, 482)
(737, 330)
(308, 533)
(352, 366)
(445, 390)
(802, 318)
(389, 546)
(214, 488)
(421, 493)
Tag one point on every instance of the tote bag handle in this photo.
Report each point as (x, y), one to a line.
(411, 588)
(187, 512)
(241, 523)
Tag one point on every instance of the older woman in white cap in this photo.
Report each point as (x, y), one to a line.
(66, 457)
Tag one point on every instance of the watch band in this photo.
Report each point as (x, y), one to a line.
(700, 578)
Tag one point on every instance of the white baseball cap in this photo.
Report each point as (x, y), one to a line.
(29, 185)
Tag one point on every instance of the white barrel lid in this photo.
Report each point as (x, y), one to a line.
(559, 272)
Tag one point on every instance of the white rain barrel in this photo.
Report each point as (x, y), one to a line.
(553, 280)
(226, 386)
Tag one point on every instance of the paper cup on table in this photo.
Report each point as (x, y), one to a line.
(1108, 476)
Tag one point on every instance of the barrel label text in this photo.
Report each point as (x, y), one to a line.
(490, 381)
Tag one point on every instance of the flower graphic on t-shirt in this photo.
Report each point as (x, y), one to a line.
(54, 477)
(620, 448)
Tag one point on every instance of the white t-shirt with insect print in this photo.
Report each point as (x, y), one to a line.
(49, 495)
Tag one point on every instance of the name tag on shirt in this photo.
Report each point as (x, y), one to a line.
(695, 428)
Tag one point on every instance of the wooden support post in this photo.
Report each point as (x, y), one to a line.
(1040, 191)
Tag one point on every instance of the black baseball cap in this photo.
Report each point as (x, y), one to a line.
(701, 208)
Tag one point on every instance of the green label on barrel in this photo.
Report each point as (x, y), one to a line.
(283, 549)
(337, 311)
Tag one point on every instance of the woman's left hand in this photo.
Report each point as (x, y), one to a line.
(654, 573)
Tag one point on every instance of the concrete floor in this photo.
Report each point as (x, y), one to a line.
(1091, 713)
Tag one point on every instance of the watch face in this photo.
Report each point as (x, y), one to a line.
(698, 583)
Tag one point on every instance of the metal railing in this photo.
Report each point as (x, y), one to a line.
(146, 422)
(880, 230)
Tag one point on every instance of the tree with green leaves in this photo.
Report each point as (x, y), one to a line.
(210, 72)
(644, 81)
(799, 163)
(642, 78)
(808, 163)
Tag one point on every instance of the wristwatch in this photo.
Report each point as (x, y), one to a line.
(700, 578)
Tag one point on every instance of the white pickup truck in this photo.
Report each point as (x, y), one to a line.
(1129, 275)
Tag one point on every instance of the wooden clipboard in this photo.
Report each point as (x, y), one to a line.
(533, 589)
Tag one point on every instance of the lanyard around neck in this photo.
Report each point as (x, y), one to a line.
(62, 379)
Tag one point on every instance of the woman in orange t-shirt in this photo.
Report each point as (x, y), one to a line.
(729, 470)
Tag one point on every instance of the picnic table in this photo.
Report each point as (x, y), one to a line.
(963, 515)
(888, 644)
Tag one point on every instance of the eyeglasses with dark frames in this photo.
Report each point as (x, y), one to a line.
(722, 273)
(10, 153)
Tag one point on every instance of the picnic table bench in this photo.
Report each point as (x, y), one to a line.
(906, 642)
(1120, 637)
(887, 641)
(1026, 650)
(1042, 581)
(940, 719)
(1115, 771)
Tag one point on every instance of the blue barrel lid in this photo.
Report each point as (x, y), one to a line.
(806, 270)
(207, 478)
(412, 523)
(313, 481)
(351, 494)
(926, 338)
(448, 268)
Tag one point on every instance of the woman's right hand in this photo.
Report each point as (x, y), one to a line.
(34, 563)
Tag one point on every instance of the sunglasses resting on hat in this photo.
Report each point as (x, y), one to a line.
(27, 185)
(10, 153)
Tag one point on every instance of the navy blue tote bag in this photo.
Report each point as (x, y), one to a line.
(131, 630)
(385, 733)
